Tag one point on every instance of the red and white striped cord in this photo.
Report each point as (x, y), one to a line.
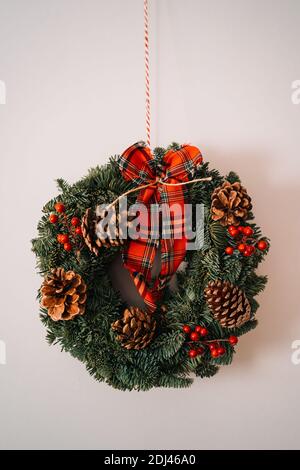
(147, 79)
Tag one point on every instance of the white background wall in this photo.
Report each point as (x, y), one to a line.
(221, 79)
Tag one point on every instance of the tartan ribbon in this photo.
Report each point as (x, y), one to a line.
(138, 165)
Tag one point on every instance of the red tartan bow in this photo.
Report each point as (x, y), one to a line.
(138, 165)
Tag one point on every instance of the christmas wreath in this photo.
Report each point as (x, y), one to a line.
(179, 333)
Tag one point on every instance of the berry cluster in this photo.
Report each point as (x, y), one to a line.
(71, 230)
(197, 336)
(245, 243)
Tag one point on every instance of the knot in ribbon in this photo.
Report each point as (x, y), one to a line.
(165, 184)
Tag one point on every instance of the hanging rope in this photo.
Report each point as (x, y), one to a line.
(147, 80)
(153, 183)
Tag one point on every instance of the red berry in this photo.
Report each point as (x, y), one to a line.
(59, 207)
(59, 238)
(200, 351)
(214, 353)
(248, 231)
(78, 231)
(240, 228)
(186, 329)
(233, 340)
(67, 246)
(229, 250)
(262, 245)
(248, 251)
(75, 221)
(204, 332)
(212, 346)
(241, 247)
(234, 232)
(64, 238)
(194, 336)
(192, 353)
(221, 350)
(53, 218)
(231, 227)
(198, 329)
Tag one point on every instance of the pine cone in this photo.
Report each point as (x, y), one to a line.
(112, 233)
(136, 329)
(230, 203)
(228, 303)
(63, 294)
(88, 225)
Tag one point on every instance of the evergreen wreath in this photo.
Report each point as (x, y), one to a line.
(194, 329)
